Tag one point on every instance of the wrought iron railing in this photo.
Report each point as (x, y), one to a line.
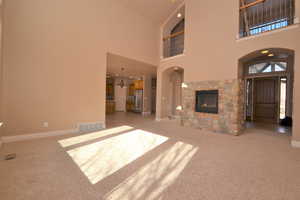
(173, 45)
(258, 16)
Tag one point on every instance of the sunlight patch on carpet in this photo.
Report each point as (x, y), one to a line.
(92, 136)
(101, 159)
(150, 181)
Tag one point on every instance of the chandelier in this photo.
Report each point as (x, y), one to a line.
(122, 82)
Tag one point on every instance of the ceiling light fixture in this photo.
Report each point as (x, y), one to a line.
(179, 15)
(265, 51)
(271, 55)
(122, 82)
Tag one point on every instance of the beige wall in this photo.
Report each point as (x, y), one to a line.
(296, 114)
(147, 94)
(54, 59)
(212, 50)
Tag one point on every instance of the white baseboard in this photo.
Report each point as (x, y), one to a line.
(7, 139)
(295, 144)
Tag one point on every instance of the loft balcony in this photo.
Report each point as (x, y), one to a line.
(173, 45)
(259, 16)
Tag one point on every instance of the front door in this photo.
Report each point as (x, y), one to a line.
(266, 100)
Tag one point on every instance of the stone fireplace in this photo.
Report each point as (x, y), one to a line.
(213, 105)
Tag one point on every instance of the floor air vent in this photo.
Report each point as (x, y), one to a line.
(90, 127)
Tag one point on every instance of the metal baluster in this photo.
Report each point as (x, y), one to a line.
(262, 13)
(271, 13)
(251, 22)
(291, 17)
(284, 9)
(280, 14)
(278, 11)
(290, 12)
(257, 16)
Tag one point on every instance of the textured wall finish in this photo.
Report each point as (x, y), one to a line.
(229, 118)
(55, 58)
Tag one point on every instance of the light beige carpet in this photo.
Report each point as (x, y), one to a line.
(139, 159)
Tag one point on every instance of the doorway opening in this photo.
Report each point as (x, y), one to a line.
(172, 80)
(130, 89)
(268, 77)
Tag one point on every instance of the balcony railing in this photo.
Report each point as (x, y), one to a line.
(258, 16)
(173, 44)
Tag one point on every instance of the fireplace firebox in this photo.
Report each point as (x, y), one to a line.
(207, 101)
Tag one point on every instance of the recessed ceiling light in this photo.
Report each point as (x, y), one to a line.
(265, 51)
(179, 15)
(271, 55)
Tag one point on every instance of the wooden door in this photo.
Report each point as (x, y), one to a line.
(266, 99)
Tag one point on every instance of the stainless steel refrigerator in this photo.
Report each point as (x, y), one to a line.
(138, 104)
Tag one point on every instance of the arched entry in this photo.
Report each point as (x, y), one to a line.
(268, 76)
(171, 99)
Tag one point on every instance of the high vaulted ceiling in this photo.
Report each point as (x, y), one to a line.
(156, 10)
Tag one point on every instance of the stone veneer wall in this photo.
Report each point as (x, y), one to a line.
(230, 118)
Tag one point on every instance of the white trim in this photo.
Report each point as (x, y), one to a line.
(293, 26)
(171, 58)
(295, 144)
(172, 14)
(7, 139)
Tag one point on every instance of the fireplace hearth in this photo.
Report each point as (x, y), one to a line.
(207, 101)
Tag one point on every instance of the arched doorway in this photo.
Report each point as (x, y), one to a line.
(171, 100)
(268, 77)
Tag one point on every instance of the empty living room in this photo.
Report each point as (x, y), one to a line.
(149, 100)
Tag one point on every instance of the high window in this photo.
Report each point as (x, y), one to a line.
(258, 16)
(267, 67)
(174, 43)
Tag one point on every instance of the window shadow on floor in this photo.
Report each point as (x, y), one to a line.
(132, 164)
